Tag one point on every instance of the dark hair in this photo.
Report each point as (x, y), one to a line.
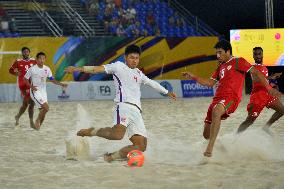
(223, 44)
(26, 48)
(40, 54)
(257, 48)
(132, 49)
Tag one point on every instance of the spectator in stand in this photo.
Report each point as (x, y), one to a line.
(117, 3)
(94, 7)
(120, 31)
(2, 12)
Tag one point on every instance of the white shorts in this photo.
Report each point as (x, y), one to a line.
(129, 116)
(39, 97)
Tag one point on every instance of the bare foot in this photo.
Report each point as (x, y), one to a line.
(17, 120)
(108, 158)
(207, 154)
(86, 132)
(36, 126)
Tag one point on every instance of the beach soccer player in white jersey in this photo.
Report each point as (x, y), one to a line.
(35, 79)
(127, 114)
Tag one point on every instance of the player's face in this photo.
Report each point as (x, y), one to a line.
(132, 60)
(41, 60)
(258, 56)
(222, 56)
(26, 53)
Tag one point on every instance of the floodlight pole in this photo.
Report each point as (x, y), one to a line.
(269, 14)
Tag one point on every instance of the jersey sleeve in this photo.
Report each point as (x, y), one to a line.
(154, 84)
(242, 65)
(13, 67)
(215, 75)
(112, 68)
(28, 73)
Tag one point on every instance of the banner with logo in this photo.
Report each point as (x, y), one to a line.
(191, 88)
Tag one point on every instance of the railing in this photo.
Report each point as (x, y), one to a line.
(46, 19)
(193, 20)
(74, 17)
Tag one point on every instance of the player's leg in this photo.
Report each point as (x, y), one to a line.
(253, 112)
(23, 107)
(217, 113)
(31, 112)
(279, 112)
(206, 130)
(138, 143)
(43, 110)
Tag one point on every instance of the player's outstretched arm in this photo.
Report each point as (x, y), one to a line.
(202, 81)
(265, 83)
(59, 83)
(85, 69)
(275, 76)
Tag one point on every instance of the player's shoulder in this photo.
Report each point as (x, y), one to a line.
(18, 60)
(241, 59)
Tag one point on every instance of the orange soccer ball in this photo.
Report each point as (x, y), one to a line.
(135, 158)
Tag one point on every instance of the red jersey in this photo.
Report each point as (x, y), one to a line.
(231, 76)
(22, 66)
(256, 86)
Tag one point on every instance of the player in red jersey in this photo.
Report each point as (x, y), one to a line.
(260, 97)
(230, 74)
(19, 69)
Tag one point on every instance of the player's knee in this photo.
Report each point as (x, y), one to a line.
(118, 136)
(141, 147)
(206, 135)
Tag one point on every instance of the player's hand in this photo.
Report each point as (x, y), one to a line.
(188, 75)
(275, 92)
(172, 95)
(276, 75)
(33, 88)
(70, 69)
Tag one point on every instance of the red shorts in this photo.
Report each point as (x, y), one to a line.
(229, 102)
(25, 92)
(259, 100)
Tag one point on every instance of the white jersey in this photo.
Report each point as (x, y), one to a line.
(128, 81)
(38, 76)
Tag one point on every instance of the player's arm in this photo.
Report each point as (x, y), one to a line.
(206, 82)
(274, 76)
(14, 69)
(264, 82)
(27, 81)
(54, 81)
(155, 85)
(85, 69)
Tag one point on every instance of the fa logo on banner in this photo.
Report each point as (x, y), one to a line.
(105, 90)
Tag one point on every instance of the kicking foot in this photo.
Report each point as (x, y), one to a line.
(267, 130)
(87, 132)
(108, 158)
(207, 154)
(17, 120)
(36, 126)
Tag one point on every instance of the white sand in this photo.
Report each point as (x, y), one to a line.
(36, 159)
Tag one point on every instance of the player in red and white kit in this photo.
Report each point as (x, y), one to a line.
(230, 74)
(19, 69)
(260, 97)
